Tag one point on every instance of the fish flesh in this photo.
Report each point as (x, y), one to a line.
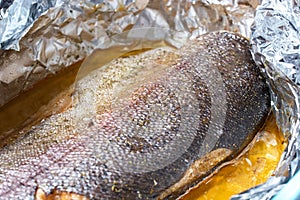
(145, 126)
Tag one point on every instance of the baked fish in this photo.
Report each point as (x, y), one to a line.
(145, 126)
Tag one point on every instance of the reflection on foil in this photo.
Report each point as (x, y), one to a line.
(4, 4)
(276, 46)
(17, 17)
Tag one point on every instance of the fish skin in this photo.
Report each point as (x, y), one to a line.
(81, 153)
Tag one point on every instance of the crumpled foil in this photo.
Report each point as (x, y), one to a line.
(65, 32)
(18, 16)
(39, 38)
(276, 46)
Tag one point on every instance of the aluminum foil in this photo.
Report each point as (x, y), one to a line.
(17, 17)
(40, 38)
(64, 32)
(276, 46)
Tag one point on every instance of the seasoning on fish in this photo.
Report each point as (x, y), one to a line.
(144, 127)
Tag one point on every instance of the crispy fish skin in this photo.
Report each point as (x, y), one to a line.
(139, 123)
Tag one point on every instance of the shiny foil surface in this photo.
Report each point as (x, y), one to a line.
(275, 45)
(62, 33)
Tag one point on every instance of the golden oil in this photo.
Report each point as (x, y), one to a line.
(252, 168)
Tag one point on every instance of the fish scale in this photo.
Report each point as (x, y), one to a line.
(138, 124)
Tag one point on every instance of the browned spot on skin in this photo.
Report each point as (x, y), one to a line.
(58, 195)
(137, 144)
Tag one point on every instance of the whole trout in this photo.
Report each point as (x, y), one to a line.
(145, 126)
